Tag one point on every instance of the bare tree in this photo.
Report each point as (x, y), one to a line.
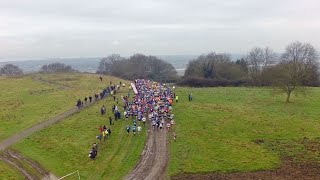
(105, 65)
(258, 59)
(269, 57)
(294, 68)
(137, 66)
(10, 70)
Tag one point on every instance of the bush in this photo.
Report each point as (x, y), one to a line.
(201, 82)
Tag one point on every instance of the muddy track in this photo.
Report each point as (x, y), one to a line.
(154, 158)
(23, 165)
(17, 137)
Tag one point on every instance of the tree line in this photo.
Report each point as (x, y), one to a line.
(295, 68)
(13, 70)
(138, 66)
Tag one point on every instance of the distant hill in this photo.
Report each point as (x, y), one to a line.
(80, 64)
(180, 62)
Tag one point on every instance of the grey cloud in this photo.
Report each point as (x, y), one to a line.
(46, 28)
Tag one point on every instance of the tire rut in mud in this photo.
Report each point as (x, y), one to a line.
(28, 168)
(154, 158)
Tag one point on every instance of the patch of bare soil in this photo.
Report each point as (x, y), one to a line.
(154, 158)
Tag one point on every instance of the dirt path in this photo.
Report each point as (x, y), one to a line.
(60, 86)
(154, 158)
(16, 161)
(28, 168)
(17, 137)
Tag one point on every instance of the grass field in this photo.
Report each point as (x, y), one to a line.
(243, 129)
(64, 147)
(31, 99)
(28, 100)
(6, 172)
(221, 130)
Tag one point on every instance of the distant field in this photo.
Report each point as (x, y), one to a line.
(64, 147)
(243, 129)
(31, 99)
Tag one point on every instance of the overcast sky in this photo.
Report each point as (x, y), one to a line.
(76, 28)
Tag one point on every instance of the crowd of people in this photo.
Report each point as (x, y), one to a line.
(153, 102)
(150, 103)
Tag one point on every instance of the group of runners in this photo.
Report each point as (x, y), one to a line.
(151, 103)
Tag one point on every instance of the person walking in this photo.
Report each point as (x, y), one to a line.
(103, 110)
(190, 97)
(177, 98)
(110, 120)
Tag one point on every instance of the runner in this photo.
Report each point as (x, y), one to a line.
(144, 121)
(139, 128)
(168, 126)
(128, 129)
(134, 128)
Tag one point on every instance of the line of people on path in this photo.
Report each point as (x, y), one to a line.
(105, 92)
(104, 131)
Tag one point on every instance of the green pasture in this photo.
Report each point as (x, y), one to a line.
(230, 129)
(6, 172)
(31, 99)
(64, 147)
(224, 129)
(28, 100)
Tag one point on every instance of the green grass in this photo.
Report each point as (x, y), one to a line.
(64, 147)
(6, 172)
(217, 131)
(26, 101)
